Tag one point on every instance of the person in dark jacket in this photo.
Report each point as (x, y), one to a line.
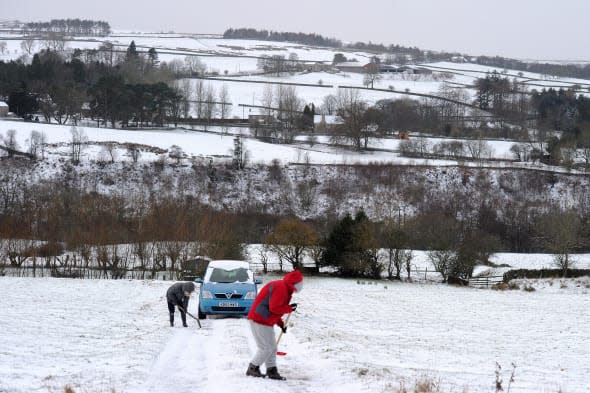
(178, 295)
(268, 308)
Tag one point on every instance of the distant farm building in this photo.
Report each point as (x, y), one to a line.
(326, 123)
(258, 119)
(362, 68)
(352, 66)
(385, 68)
(314, 66)
(3, 109)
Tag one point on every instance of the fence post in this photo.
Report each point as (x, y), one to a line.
(425, 272)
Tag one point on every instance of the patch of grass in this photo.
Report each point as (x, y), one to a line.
(528, 288)
(502, 286)
(70, 389)
(427, 386)
(361, 372)
(422, 385)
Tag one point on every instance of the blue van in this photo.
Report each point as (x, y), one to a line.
(228, 288)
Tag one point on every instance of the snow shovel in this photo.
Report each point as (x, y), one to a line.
(281, 353)
(191, 315)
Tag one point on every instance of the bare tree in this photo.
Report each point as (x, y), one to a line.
(263, 256)
(559, 231)
(134, 152)
(36, 142)
(209, 106)
(289, 109)
(185, 89)
(10, 142)
(329, 105)
(268, 100)
(293, 63)
(200, 96)
(78, 141)
(2, 47)
(351, 108)
(224, 101)
(290, 239)
(174, 251)
(107, 53)
(479, 149)
(54, 42)
(110, 150)
(443, 261)
(521, 152)
(276, 64)
(372, 75)
(194, 66)
(176, 153)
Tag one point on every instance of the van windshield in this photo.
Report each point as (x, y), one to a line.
(228, 276)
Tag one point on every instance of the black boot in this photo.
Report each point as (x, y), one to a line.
(171, 319)
(273, 373)
(183, 316)
(254, 371)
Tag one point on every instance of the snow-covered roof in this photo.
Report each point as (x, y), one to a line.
(3, 104)
(350, 64)
(329, 119)
(229, 264)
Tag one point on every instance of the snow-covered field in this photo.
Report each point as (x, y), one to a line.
(218, 142)
(345, 337)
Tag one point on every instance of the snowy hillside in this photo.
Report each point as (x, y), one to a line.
(238, 59)
(102, 335)
(218, 142)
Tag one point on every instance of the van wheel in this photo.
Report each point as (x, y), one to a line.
(201, 315)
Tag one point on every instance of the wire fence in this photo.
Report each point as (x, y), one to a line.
(57, 269)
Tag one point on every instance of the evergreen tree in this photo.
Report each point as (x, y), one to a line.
(22, 102)
(131, 54)
(351, 248)
(153, 58)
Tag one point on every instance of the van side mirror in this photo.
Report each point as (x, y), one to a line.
(258, 281)
(199, 280)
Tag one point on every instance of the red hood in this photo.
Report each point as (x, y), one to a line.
(293, 278)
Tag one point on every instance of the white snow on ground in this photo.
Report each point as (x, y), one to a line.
(345, 337)
(219, 142)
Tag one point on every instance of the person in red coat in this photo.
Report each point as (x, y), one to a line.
(271, 303)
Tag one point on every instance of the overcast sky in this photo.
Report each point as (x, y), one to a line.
(541, 29)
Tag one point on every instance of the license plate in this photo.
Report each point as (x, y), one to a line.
(228, 304)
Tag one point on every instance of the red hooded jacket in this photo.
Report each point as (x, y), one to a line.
(272, 302)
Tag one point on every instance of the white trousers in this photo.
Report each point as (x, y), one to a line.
(266, 343)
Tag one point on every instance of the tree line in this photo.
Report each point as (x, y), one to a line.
(480, 212)
(411, 54)
(266, 35)
(132, 89)
(547, 69)
(69, 27)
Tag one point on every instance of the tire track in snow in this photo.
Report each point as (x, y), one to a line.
(214, 360)
(181, 366)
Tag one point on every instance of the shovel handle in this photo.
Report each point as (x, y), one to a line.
(281, 334)
(191, 315)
